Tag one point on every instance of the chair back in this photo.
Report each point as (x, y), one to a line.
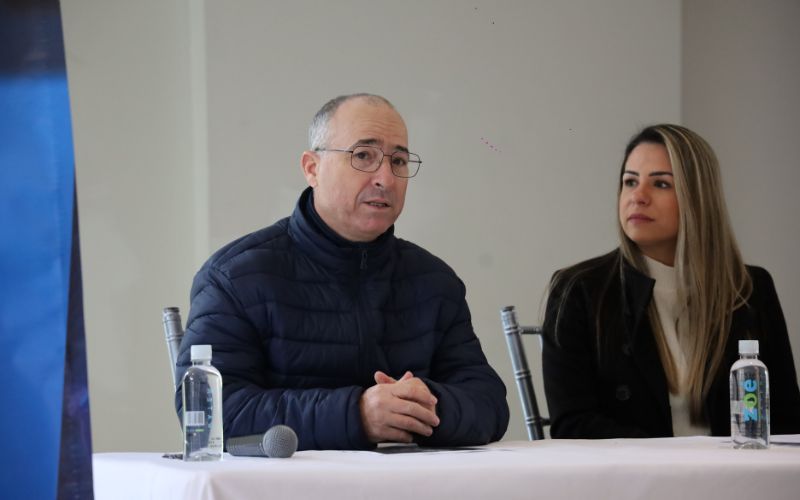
(173, 333)
(534, 422)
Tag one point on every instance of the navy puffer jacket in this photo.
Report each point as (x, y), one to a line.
(300, 319)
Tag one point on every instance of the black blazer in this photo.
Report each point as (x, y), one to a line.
(625, 394)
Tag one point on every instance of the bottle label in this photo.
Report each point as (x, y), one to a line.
(194, 418)
(750, 401)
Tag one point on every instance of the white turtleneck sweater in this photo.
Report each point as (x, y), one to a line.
(665, 294)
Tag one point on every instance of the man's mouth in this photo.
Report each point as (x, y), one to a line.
(378, 204)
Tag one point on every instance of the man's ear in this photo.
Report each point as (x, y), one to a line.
(309, 161)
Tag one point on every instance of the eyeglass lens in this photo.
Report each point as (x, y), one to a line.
(368, 158)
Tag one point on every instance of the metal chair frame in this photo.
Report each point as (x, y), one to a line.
(534, 422)
(173, 333)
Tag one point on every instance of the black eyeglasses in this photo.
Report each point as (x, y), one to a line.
(369, 158)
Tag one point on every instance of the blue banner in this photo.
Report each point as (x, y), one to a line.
(45, 413)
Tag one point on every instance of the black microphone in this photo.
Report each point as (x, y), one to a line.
(278, 442)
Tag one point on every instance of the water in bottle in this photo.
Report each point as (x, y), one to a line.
(202, 408)
(749, 384)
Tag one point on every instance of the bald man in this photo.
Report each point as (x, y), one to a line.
(328, 323)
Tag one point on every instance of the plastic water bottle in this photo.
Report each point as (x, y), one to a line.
(749, 384)
(202, 408)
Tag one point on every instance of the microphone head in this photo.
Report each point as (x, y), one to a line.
(280, 442)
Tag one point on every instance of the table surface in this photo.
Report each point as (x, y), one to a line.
(671, 468)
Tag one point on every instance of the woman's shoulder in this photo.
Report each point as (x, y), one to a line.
(758, 273)
(591, 269)
(588, 278)
(762, 283)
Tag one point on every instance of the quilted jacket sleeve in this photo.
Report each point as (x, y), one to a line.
(322, 418)
(472, 405)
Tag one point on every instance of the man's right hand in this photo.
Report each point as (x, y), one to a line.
(395, 410)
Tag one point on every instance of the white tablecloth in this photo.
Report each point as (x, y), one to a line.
(675, 469)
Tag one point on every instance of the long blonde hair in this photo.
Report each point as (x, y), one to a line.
(712, 278)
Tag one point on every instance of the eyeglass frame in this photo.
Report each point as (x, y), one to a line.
(418, 161)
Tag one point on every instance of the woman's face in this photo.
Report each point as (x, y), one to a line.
(648, 205)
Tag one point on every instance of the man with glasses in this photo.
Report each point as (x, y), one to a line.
(328, 323)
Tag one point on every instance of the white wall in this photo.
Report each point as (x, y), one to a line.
(129, 79)
(741, 91)
(190, 118)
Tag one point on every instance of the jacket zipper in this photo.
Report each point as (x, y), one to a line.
(359, 313)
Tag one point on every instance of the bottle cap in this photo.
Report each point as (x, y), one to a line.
(748, 347)
(203, 352)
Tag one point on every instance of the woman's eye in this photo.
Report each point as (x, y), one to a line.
(629, 182)
(663, 184)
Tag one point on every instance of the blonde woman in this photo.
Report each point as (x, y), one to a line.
(638, 342)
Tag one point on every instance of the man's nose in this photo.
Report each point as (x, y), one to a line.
(384, 176)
